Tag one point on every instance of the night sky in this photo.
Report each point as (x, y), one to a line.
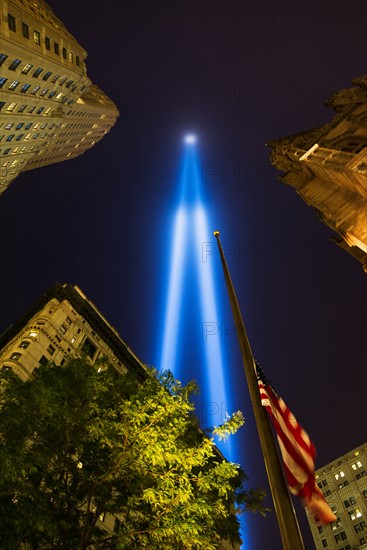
(238, 74)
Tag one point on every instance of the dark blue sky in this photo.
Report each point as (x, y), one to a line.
(238, 74)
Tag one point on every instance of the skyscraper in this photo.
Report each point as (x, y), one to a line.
(50, 110)
(327, 166)
(344, 484)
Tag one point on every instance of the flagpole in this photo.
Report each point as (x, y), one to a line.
(288, 525)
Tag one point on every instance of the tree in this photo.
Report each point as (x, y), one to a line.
(80, 444)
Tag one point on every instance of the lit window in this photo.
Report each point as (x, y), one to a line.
(15, 356)
(11, 23)
(71, 57)
(27, 68)
(37, 37)
(59, 95)
(25, 30)
(14, 85)
(11, 107)
(14, 64)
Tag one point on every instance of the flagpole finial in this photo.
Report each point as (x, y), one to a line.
(216, 233)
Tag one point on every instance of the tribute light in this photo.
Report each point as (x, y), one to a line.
(190, 139)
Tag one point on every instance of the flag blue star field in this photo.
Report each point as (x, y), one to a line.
(297, 450)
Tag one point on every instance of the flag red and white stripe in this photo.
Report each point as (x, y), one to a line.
(297, 450)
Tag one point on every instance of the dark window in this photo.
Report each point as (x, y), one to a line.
(47, 43)
(89, 348)
(2, 103)
(63, 329)
(43, 361)
(47, 75)
(37, 72)
(364, 493)
(25, 30)
(25, 87)
(2, 58)
(2, 81)
(51, 349)
(39, 111)
(6, 368)
(22, 108)
(19, 126)
(24, 344)
(14, 64)
(69, 84)
(56, 48)
(35, 90)
(28, 126)
(64, 53)
(11, 23)
(361, 474)
(324, 543)
(77, 60)
(319, 528)
(20, 137)
(56, 77)
(68, 320)
(52, 93)
(9, 138)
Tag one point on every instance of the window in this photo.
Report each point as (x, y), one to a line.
(2, 103)
(68, 320)
(327, 493)
(24, 88)
(89, 348)
(362, 540)
(37, 37)
(364, 493)
(11, 107)
(320, 528)
(69, 84)
(349, 502)
(34, 91)
(15, 356)
(71, 57)
(77, 60)
(19, 138)
(2, 58)
(47, 75)
(2, 81)
(24, 344)
(27, 68)
(22, 108)
(29, 125)
(14, 64)
(39, 111)
(51, 349)
(6, 368)
(47, 43)
(43, 360)
(335, 524)
(55, 78)
(56, 48)
(25, 30)
(64, 53)
(19, 126)
(14, 85)
(339, 474)
(11, 23)
(63, 329)
(362, 474)
(324, 543)
(52, 93)
(358, 527)
(37, 72)
(343, 484)
(322, 483)
(340, 536)
(354, 514)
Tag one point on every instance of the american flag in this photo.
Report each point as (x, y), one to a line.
(297, 450)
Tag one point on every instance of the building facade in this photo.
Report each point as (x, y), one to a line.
(344, 485)
(50, 110)
(64, 322)
(327, 167)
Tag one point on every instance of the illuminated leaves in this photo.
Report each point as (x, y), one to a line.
(77, 444)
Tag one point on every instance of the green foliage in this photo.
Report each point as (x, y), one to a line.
(81, 441)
